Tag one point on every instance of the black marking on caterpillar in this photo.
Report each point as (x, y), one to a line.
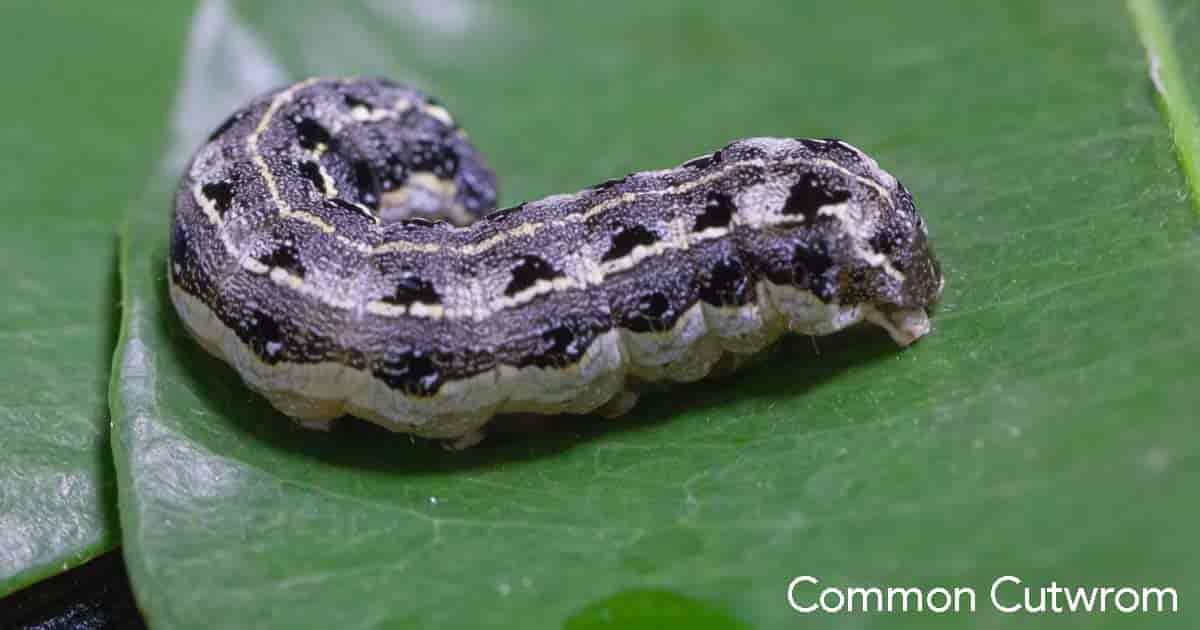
(718, 212)
(366, 183)
(312, 172)
(412, 288)
(353, 101)
(353, 301)
(225, 126)
(435, 158)
(727, 283)
(609, 183)
(651, 311)
(527, 272)
(310, 133)
(704, 161)
(286, 257)
(221, 195)
(807, 196)
(628, 238)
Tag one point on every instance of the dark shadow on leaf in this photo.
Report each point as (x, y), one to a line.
(110, 324)
(791, 368)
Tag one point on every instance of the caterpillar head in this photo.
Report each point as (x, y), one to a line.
(838, 237)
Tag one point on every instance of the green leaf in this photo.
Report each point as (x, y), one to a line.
(1044, 430)
(1160, 28)
(83, 113)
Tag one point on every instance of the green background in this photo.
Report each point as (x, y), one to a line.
(1045, 429)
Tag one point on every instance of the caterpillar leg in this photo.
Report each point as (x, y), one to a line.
(618, 405)
(730, 363)
(309, 413)
(904, 325)
(315, 425)
(464, 441)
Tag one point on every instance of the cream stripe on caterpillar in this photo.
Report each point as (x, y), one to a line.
(298, 255)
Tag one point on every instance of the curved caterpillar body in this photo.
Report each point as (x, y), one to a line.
(294, 257)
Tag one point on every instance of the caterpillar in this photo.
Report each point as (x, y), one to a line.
(336, 242)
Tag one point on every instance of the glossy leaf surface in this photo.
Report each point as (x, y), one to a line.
(84, 106)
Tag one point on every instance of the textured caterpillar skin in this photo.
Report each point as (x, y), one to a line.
(290, 260)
